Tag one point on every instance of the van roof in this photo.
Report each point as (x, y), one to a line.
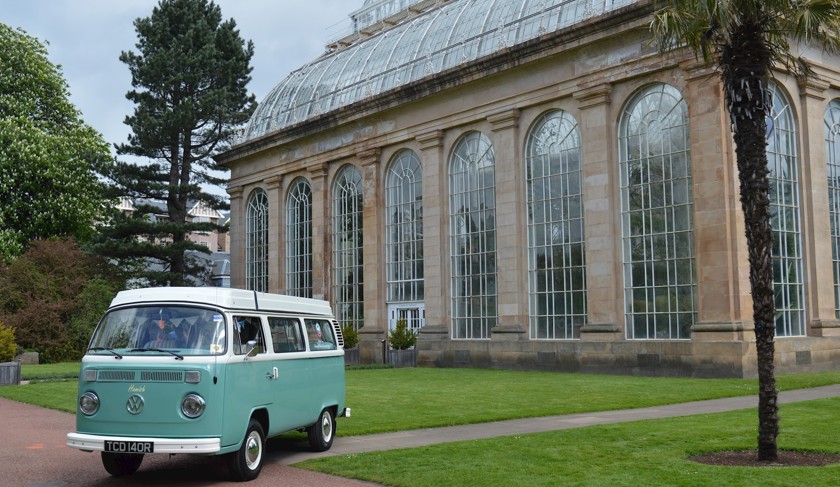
(240, 299)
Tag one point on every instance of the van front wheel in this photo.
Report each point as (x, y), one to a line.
(321, 433)
(119, 464)
(245, 464)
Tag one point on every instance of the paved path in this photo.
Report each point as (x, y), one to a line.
(431, 436)
(33, 451)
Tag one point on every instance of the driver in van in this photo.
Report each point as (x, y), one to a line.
(164, 335)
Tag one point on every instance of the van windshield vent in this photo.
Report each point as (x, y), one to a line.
(115, 375)
(162, 376)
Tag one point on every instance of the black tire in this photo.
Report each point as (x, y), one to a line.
(246, 463)
(119, 464)
(322, 433)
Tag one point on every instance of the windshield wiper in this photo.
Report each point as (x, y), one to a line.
(177, 356)
(97, 349)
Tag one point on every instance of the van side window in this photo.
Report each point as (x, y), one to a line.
(245, 329)
(285, 334)
(320, 334)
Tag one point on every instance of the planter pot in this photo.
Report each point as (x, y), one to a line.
(351, 356)
(9, 374)
(402, 358)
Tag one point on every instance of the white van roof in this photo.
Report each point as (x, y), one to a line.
(239, 299)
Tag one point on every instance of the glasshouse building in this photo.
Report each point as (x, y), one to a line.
(529, 184)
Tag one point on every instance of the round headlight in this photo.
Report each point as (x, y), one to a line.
(192, 406)
(88, 403)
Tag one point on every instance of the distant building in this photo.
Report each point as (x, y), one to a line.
(530, 184)
(217, 243)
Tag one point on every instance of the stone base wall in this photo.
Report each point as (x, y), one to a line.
(702, 359)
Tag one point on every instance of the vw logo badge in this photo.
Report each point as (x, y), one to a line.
(134, 404)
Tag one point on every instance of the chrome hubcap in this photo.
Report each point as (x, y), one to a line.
(253, 450)
(326, 427)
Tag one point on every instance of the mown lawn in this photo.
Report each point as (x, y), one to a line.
(649, 453)
(385, 400)
(640, 453)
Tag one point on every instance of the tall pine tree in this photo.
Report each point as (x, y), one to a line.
(189, 76)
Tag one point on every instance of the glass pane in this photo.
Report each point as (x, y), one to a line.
(657, 215)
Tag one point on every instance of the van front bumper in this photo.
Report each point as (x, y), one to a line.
(161, 445)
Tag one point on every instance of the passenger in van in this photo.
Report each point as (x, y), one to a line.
(319, 338)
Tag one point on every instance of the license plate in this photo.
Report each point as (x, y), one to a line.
(130, 446)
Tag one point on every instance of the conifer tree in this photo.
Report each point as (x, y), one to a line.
(189, 77)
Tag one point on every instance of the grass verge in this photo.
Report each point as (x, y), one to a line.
(641, 453)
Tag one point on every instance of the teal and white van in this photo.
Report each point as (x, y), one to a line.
(210, 371)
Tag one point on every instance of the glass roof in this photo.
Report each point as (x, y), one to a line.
(442, 37)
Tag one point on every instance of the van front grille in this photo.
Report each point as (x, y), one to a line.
(144, 375)
(162, 376)
(115, 375)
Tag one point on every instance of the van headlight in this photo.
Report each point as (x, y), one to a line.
(88, 403)
(192, 406)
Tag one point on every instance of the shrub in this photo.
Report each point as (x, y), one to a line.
(52, 296)
(351, 336)
(8, 349)
(402, 337)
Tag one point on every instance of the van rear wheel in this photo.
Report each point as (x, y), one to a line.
(119, 464)
(322, 433)
(245, 464)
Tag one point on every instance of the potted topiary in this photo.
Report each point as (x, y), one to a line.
(9, 369)
(351, 344)
(402, 340)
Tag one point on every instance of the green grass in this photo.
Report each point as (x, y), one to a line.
(641, 453)
(630, 454)
(63, 370)
(385, 400)
(398, 399)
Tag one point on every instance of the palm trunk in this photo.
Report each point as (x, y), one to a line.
(745, 67)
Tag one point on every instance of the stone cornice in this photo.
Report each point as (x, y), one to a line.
(593, 96)
(504, 120)
(370, 157)
(430, 140)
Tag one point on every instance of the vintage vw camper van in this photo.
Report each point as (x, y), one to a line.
(209, 371)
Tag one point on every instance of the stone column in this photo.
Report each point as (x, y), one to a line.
(601, 220)
(724, 304)
(511, 229)
(816, 229)
(435, 245)
(275, 233)
(376, 322)
(321, 247)
(237, 237)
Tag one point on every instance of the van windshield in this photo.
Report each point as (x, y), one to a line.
(184, 330)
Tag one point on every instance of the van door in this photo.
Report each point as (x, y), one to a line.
(291, 388)
(248, 378)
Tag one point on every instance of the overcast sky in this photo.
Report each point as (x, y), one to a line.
(86, 37)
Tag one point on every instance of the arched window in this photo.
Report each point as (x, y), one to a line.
(404, 239)
(657, 225)
(256, 242)
(556, 262)
(832, 142)
(472, 229)
(782, 163)
(299, 239)
(347, 247)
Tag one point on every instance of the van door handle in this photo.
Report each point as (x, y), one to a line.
(274, 374)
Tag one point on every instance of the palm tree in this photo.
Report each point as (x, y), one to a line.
(746, 39)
